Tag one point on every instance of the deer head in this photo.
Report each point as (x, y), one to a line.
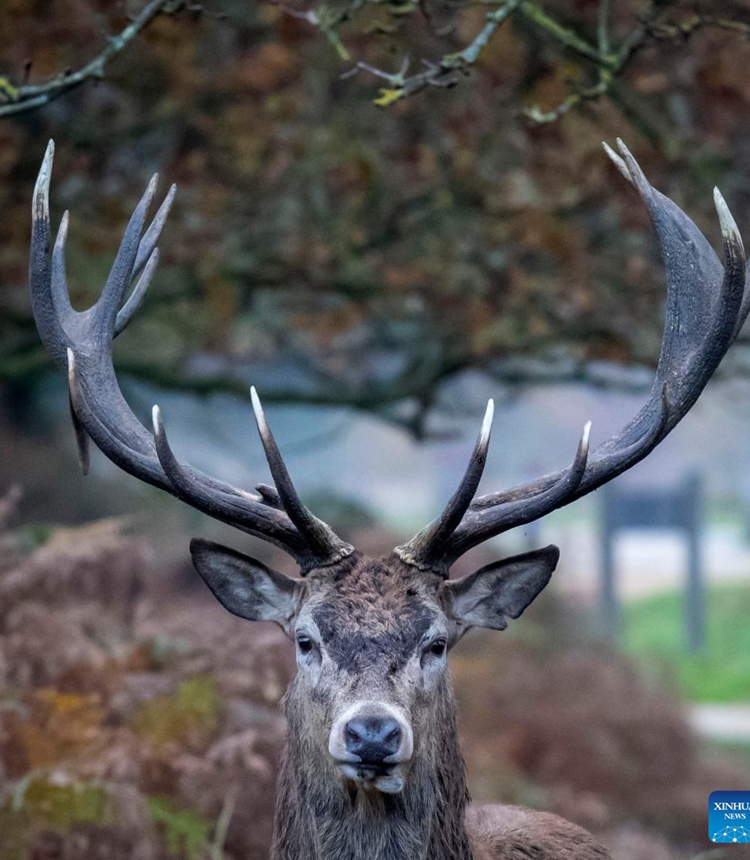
(372, 635)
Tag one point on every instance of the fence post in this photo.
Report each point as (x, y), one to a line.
(695, 598)
(678, 509)
(610, 605)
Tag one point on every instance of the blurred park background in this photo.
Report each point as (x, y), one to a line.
(378, 248)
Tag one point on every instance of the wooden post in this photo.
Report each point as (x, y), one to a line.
(675, 509)
(609, 525)
(695, 598)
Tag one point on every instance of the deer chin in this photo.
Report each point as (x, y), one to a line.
(385, 778)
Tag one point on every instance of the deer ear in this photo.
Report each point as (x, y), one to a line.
(501, 590)
(244, 586)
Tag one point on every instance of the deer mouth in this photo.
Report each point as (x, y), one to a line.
(374, 776)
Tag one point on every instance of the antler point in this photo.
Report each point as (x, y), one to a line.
(41, 189)
(150, 191)
(260, 415)
(71, 367)
(487, 421)
(585, 436)
(62, 231)
(618, 162)
(726, 220)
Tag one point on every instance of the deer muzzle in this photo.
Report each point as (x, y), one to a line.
(372, 743)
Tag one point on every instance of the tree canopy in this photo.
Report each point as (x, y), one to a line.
(353, 229)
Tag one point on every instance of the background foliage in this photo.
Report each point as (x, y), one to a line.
(127, 729)
(369, 255)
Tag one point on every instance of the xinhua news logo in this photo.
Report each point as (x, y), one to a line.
(729, 817)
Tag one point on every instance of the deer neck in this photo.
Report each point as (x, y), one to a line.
(319, 817)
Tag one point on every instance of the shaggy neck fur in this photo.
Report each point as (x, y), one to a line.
(320, 817)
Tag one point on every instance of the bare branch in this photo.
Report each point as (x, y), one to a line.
(606, 62)
(682, 30)
(447, 71)
(564, 36)
(15, 100)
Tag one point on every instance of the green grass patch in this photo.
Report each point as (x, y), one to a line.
(185, 831)
(38, 803)
(654, 632)
(188, 717)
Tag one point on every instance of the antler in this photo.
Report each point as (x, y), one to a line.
(82, 343)
(706, 307)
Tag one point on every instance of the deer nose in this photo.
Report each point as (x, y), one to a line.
(373, 738)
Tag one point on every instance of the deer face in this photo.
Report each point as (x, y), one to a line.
(371, 652)
(372, 638)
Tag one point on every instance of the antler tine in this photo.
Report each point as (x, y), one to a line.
(619, 459)
(225, 507)
(49, 290)
(133, 454)
(213, 497)
(145, 264)
(269, 494)
(707, 304)
(60, 293)
(320, 536)
(135, 300)
(617, 161)
(524, 504)
(734, 257)
(121, 274)
(82, 342)
(424, 550)
(219, 500)
(520, 512)
(46, 314)
(153, 233)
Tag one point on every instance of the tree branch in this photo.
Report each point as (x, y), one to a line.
(609, 62)
(15, 100)
(682, 30)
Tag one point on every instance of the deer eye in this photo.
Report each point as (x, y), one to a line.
(436, 648)
(305, 644)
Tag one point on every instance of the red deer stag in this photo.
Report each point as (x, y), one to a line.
(372, 769)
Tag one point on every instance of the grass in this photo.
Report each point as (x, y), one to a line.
(654, 633)
(185, 831)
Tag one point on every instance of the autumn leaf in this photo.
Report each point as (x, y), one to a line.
(388, 97)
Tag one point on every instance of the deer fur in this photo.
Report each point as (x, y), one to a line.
(370, 616)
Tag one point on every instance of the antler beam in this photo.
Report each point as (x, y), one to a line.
(707, 305)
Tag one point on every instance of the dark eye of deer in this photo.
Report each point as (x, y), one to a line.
(305, 644)
(437, 649)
